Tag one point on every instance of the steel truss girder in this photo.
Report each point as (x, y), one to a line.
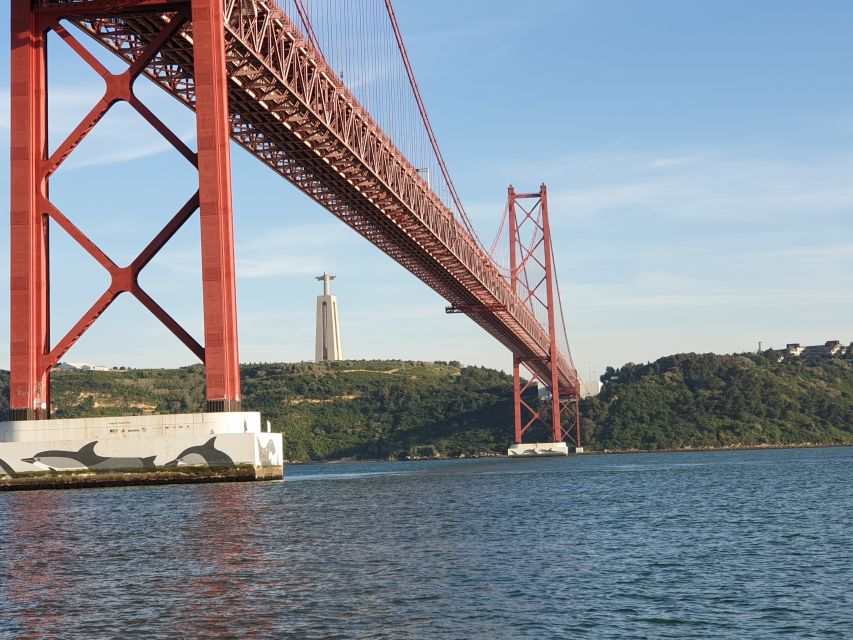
(291, 111)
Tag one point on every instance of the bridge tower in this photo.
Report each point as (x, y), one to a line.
(33, 354)
(533, 279)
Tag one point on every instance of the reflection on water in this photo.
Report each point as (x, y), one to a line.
(221, 565)
(341, 476)
(721, 545)
(34, 562)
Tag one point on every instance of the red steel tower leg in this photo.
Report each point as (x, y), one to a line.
(552, 326)
(513, 277)
(578, 421)
(30, 326)
(516, 385)
(32, 356)
(217, 229)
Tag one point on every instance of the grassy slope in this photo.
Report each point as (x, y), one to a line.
(378, 409)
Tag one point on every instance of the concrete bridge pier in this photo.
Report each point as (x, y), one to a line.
(158, 449)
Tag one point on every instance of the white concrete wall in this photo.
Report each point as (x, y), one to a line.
(539, 449)
(139, 442)
(129, 427)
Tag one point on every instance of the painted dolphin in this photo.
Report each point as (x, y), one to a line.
(203, 454)
(86, 458)
(267, 453)
(5, 469)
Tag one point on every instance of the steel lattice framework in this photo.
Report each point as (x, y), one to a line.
(250, 75)
(532, 279)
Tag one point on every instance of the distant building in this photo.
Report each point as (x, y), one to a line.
(80, 366)
(826, 350)
(794, 348)
(590, 388)
(830, 348)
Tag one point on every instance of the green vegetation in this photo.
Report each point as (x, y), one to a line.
(396, 409)
(383, 409)
(707, 400)
(361, 409)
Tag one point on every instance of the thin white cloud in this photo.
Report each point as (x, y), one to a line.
(293, 251)
(132, 150)
(305, 238)
(605, 299)
(122, 140)
(693, 185)
(277, 267)
(674, 161)
(823, 253)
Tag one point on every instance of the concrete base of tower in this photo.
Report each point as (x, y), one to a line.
(138, 450)
(578, 449)
(533, 450)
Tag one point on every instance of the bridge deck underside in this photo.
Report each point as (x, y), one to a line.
(290, 111)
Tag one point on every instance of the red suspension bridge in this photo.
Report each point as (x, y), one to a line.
(296, 86)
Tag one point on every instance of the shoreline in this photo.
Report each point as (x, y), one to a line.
(593, 452)
(89, 479)
(753, 447)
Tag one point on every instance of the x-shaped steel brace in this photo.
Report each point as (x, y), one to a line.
(119, 88)
(567, 407)
(528, 253)
(535, 416)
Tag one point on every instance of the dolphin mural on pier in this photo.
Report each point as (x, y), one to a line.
(203, 454)
(86, 458)
(6, 470)
(268, 454)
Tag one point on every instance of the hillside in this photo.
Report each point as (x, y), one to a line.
(395, 409)
(382, 409)
(365, 409)
(707, 400)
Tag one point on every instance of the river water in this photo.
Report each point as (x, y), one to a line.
(749, 544)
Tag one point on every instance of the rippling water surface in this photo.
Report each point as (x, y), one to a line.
(699, 545)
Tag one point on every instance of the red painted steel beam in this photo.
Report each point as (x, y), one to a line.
(516, 387)
(32, 355)
(88, 8)
(552, 323)
(30, 298)
(222, 364)
(513, 280)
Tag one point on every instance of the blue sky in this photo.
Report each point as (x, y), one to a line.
(699, 158)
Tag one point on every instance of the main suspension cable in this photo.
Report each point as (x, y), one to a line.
(305, 17)
(422, 108)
